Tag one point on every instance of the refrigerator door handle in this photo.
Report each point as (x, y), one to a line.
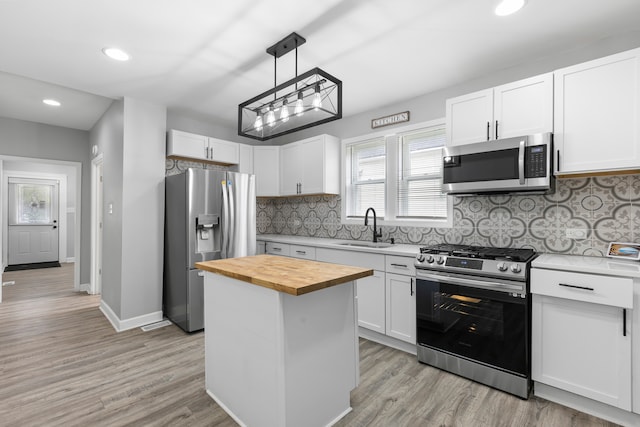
(231, 227)
(225, 220)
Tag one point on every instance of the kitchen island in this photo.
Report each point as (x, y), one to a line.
(281, 343)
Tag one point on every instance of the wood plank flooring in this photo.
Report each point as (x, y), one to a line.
(62, 364)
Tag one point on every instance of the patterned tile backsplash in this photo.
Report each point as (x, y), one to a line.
(606, 208)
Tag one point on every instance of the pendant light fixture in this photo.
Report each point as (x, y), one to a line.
(317, 98)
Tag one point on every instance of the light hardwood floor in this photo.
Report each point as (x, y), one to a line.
(62, 364)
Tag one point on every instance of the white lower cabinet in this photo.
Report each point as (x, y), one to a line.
(581, 334)
(370, 293)
(401, 307)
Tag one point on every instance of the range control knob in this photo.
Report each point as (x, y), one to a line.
(502, 266)
(440, 260)
(420, 258)
(516, 268)
(430, 259)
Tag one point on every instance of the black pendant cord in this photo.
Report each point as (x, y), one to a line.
(275, 75)
(296, 65)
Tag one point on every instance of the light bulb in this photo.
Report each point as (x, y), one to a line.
(507, 7)
(317, 99)
(284, 112)
(271, 116)
(299, 109)
(258, 123)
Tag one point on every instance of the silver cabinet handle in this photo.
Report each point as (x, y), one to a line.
(301, 252)
(496, 129)
(411, 286)
(488, 128)
(399, 265)
(276, 249)
(576, 287)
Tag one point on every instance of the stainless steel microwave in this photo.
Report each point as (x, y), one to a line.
(510, 165)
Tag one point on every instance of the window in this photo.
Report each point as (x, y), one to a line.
(367, 172)
(399, 175)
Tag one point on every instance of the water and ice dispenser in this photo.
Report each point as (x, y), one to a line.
(207, 233)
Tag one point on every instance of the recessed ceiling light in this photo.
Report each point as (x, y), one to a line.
(115, 53)
(51, 102)
(507, 7)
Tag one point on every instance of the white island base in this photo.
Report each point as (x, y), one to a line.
(274, 359)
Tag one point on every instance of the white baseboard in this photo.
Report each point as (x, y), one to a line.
(387, 340)
(85, 287)
(586, 405)
(69, 260)
(134, 322)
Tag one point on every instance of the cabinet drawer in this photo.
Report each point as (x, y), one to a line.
(304, 252)
(278, 249)
(400, 265)
(593, 288)
(354, 258)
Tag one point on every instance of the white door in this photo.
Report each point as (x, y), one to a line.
(32, 221)
(96, 224)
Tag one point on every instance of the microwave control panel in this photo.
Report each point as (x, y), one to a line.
(535, 161)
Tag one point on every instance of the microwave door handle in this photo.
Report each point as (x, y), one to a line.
(521, 162)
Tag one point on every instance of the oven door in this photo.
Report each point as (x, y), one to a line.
(474, 321)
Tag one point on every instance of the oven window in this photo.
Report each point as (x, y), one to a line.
(488, 166)
(485, 326)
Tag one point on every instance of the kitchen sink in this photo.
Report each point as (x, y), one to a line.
(367, 244)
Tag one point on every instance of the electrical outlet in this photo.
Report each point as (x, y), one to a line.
(576, 233)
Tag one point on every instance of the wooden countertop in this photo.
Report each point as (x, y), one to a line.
(290, 275)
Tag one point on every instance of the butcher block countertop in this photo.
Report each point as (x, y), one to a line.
(290, 275)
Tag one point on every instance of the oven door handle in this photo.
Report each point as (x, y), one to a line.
(470, 282)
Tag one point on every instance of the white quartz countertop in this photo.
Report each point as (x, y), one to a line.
(397, 249)
(587, 264)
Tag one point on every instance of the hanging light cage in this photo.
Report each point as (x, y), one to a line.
(308, 100)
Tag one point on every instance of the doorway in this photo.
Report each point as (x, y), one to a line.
(69, 175)
(33, 233)
(95, 287)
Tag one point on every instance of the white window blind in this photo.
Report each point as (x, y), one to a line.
(420, 175)
(366, 177)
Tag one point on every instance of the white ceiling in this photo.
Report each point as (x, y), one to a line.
(204, 57)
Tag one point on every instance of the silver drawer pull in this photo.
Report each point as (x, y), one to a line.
(301, 252)
(276, 249)
(399, 265)
(576, 287)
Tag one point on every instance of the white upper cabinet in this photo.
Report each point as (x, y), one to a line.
(266, 168)
(310, 166)
(469, 118)
(520, 108)
(245, 163)
(189, 146)
(597, 115)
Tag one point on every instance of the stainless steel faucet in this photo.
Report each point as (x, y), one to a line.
(376, 234)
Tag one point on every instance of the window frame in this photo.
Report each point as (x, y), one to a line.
(392, 139)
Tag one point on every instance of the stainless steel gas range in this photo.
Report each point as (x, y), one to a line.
(474, 313)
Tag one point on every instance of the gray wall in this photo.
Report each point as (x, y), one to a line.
(108, 134)
(131, 138)
(35, 140)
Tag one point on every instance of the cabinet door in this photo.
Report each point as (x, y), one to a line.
(266, 168)
(580, 347)
(401, 307)
(596, 120)
(291, 170)
(187, 145)
(261, 247)
(524, 107)
(245, 163)
(311, 156)
(470, 118)
(223, 151)
(371, 305)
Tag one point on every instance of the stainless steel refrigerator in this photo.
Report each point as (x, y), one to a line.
(209, 214)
